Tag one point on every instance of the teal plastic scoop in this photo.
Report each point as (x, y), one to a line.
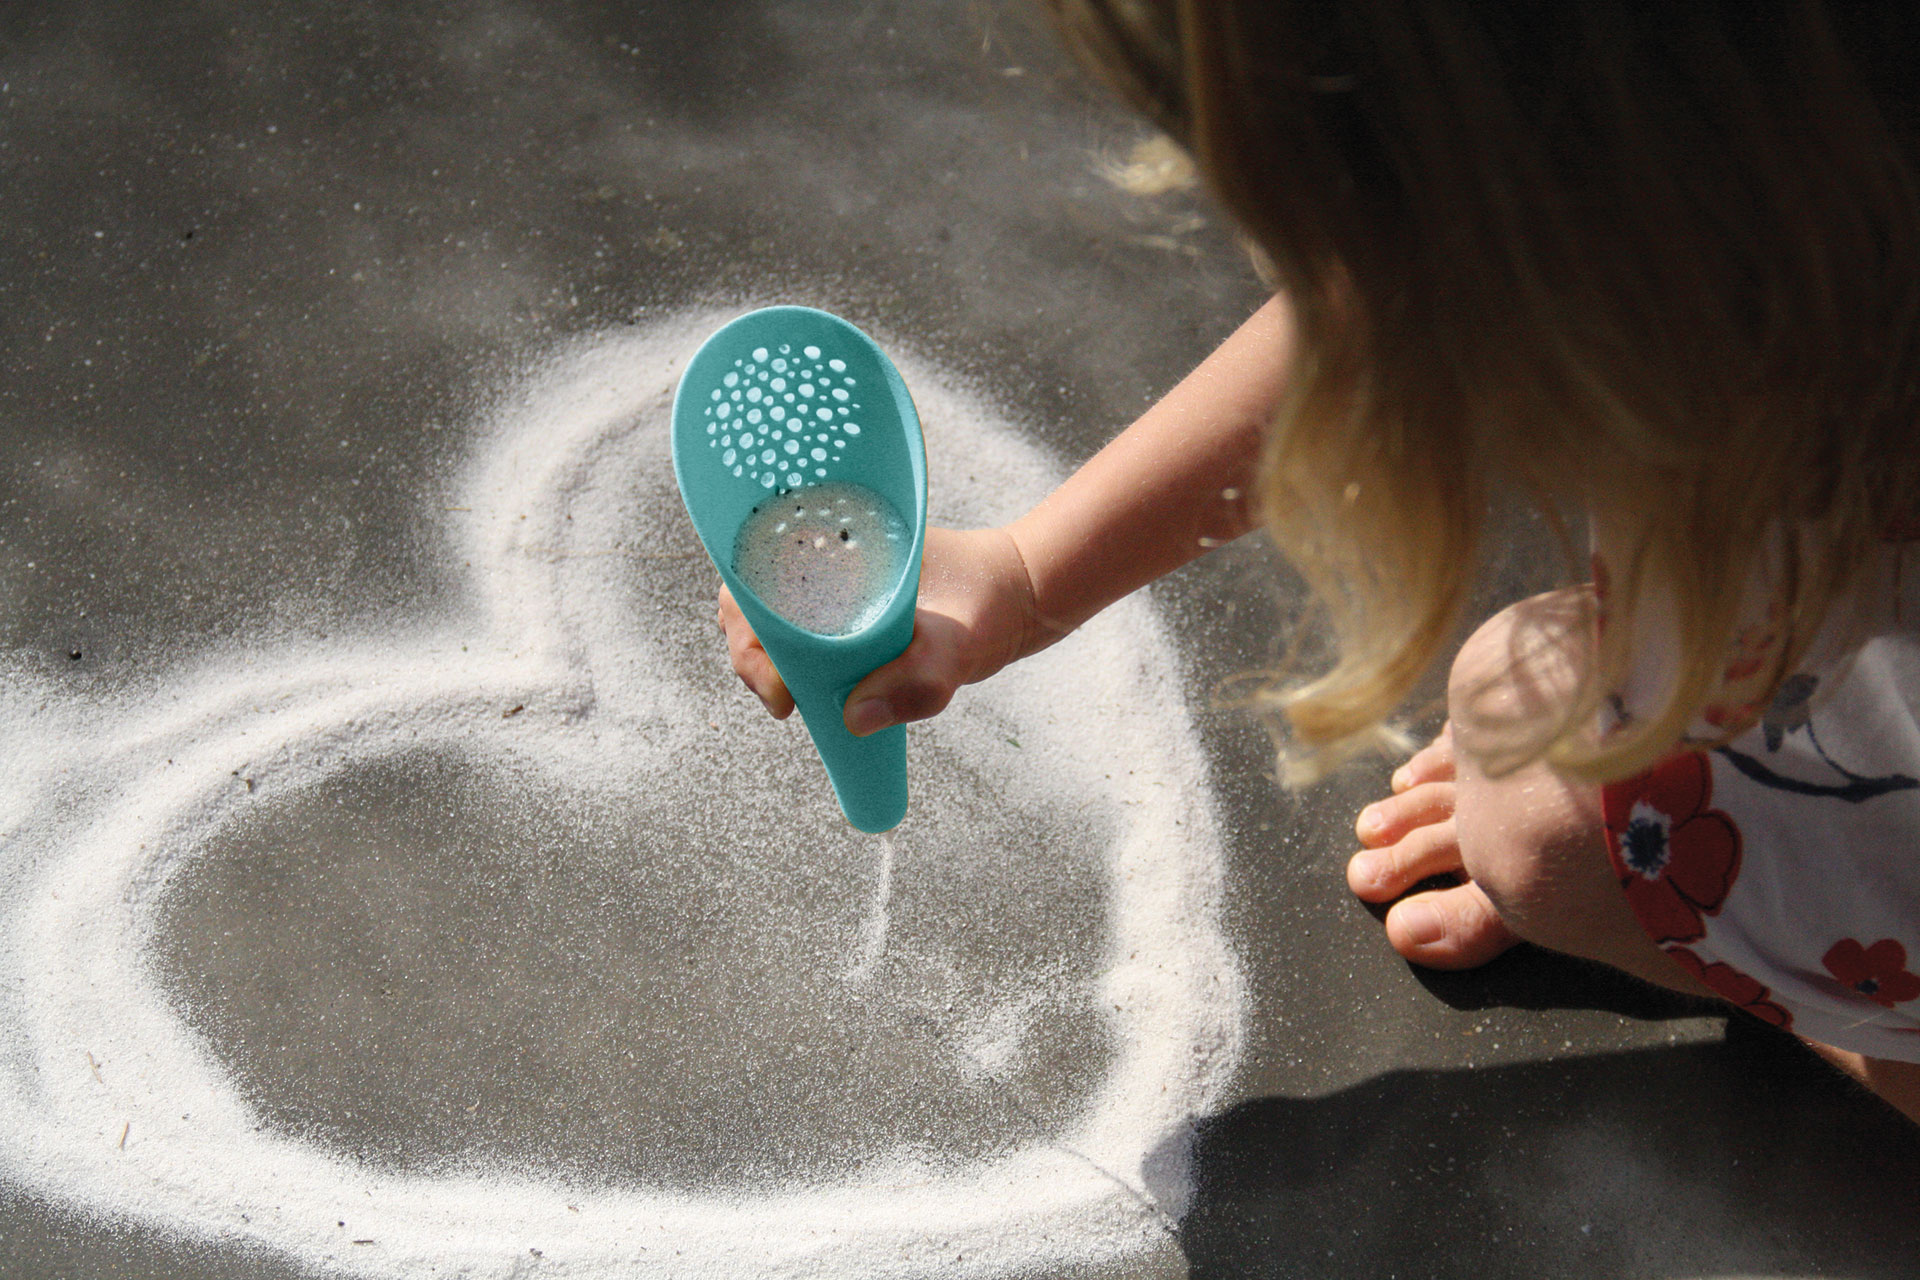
(799, 456)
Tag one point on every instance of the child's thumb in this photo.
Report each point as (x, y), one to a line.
(917, 684)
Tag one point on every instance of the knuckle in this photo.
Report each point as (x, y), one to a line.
(1422, 852)
(920, 699)
(1447, 909)
(1431, 764)
(1421, 804)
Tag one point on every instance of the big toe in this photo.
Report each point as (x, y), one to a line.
(1454, 928)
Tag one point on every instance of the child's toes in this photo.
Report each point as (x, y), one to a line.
(1432, 763)
(1381, 875)
(1453, 928)
(1385, 821)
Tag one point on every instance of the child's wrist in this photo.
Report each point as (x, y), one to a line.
(1034, 627)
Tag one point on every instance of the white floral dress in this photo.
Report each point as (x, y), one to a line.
(1783, 867)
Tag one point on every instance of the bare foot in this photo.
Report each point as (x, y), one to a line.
(1527, 847)
(1410, 836)
(1526, 854)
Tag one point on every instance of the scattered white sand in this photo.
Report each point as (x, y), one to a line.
(110, 1103)
(873, 929)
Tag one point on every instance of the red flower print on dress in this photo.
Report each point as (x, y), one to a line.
(1675, 854)
(1878, 972)
(1735, 987)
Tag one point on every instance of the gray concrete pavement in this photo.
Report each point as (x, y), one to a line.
(267, 272)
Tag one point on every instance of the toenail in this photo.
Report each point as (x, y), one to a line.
(1370, 868)
(1372, 821)
(1420, 924)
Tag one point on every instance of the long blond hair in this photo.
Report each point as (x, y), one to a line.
(1658, 262)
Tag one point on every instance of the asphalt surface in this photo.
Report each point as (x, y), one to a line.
(263, 266)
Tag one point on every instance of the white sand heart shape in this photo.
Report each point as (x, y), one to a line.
(112, 1102)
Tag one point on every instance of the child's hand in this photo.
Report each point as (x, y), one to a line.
(976, 614)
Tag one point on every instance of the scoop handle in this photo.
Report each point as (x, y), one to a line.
(869, 774)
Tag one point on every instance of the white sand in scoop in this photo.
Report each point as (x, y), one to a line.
(825, 557)
(111, 1104)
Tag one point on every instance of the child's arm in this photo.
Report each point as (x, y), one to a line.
(1172, 485)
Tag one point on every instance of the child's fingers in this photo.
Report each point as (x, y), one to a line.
(1432, 763)
(1381, 875)
(1453, 928)
(914, 686)
(756, 670)
(1385, 821)
(750, 661)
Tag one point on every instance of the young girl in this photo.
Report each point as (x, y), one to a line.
(1652, 267)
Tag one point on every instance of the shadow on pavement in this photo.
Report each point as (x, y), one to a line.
(1748, 1156)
